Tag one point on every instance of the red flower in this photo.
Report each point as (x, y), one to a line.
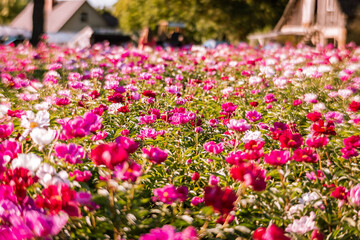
(313, 116)
(251, 175)
(322, 127)
(254, 104)
(57, 198)
(221, 200)
(290, 140)
(305, 155)
(19, 179)
(354, 106)
(94, 94)
(340, 193)
(316, 235)
(62, 101)
(108, 154)
(272, 232)
(116, 98)
(149, 93)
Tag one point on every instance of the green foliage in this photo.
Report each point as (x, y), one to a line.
(9, 9)
(226, 19)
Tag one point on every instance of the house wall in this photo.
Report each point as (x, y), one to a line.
(295, 15)
(330, 14)
(94, 20)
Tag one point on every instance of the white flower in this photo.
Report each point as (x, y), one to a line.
(319, 107)
(42, 106)
(298, 208)
(302, 225)
(345, 93)
(29, 161)
(42, 136)
(31, 121)
(3, 110)
(48, 176)
(310, 198)
(255, 80)
(309, 97)
(250, 135)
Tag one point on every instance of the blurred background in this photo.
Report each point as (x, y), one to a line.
(176, 23)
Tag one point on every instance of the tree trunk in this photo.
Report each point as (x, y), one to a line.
(38, 21)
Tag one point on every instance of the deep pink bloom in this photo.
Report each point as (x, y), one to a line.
(297, 102)
(214, 148)
(6, 130)
(272, 232)
(169, 194)
(270, 98)
(214, 180)
(110, 155)
(316, 235)
(305, 155)
(251, 174)
(221, 200)
(196, 201)
(277, 157)
(228, 107)
(253, 116)
(290, 140)
(127, 171)
(128, 144)
(317, 142)
(354, 196)
(148, 119)
(81, 176)
(71, 153)
(155, 154)
(168, 232)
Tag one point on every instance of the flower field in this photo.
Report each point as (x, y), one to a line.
(225, 143)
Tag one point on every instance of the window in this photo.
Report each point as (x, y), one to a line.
(330, 5)
(84, 17)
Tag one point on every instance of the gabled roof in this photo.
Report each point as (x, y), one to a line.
(60, 14)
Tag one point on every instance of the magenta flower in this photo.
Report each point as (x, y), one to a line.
(71, 153)
(277, 157)
(128, 144)
(155, 154)
(214, 148)
(238, 125)
(228, 107)
(214, 180)
(168, 232)
(148, 119)
(305, 155)
(253, 116)
(196, 201)
(169, 194)
(270, 98)
(6, 130)
(127, 171)
(81, 176)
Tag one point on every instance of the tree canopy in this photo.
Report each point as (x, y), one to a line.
(204, 19)
(10, 8)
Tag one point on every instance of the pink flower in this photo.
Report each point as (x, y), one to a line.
(277, 157)
(213, 123)
(354, 196)
(270, 98)
(127, 171)
(253, 116)
(272, 232)
(128, 144)
(110, 155)
(238, 125)
(6, 130)
(305, 155)
(169, 194)
(148, 119)
(214, 180)
(297, 102)
(81, 176)
(168, 232)
(229, 107)
(155, 155)
(196, 201)
(317, 142)
(214, 148)
(251, 174)
(71, 153)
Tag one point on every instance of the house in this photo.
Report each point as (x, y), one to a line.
(67, 21)
(317, 22)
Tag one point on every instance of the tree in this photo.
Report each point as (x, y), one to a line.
(9, 9)
(229, 19)
(38, 21)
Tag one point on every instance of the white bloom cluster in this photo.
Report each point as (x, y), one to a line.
(303, 225)
(250, 135)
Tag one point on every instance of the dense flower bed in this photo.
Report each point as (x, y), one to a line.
(229, 143)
